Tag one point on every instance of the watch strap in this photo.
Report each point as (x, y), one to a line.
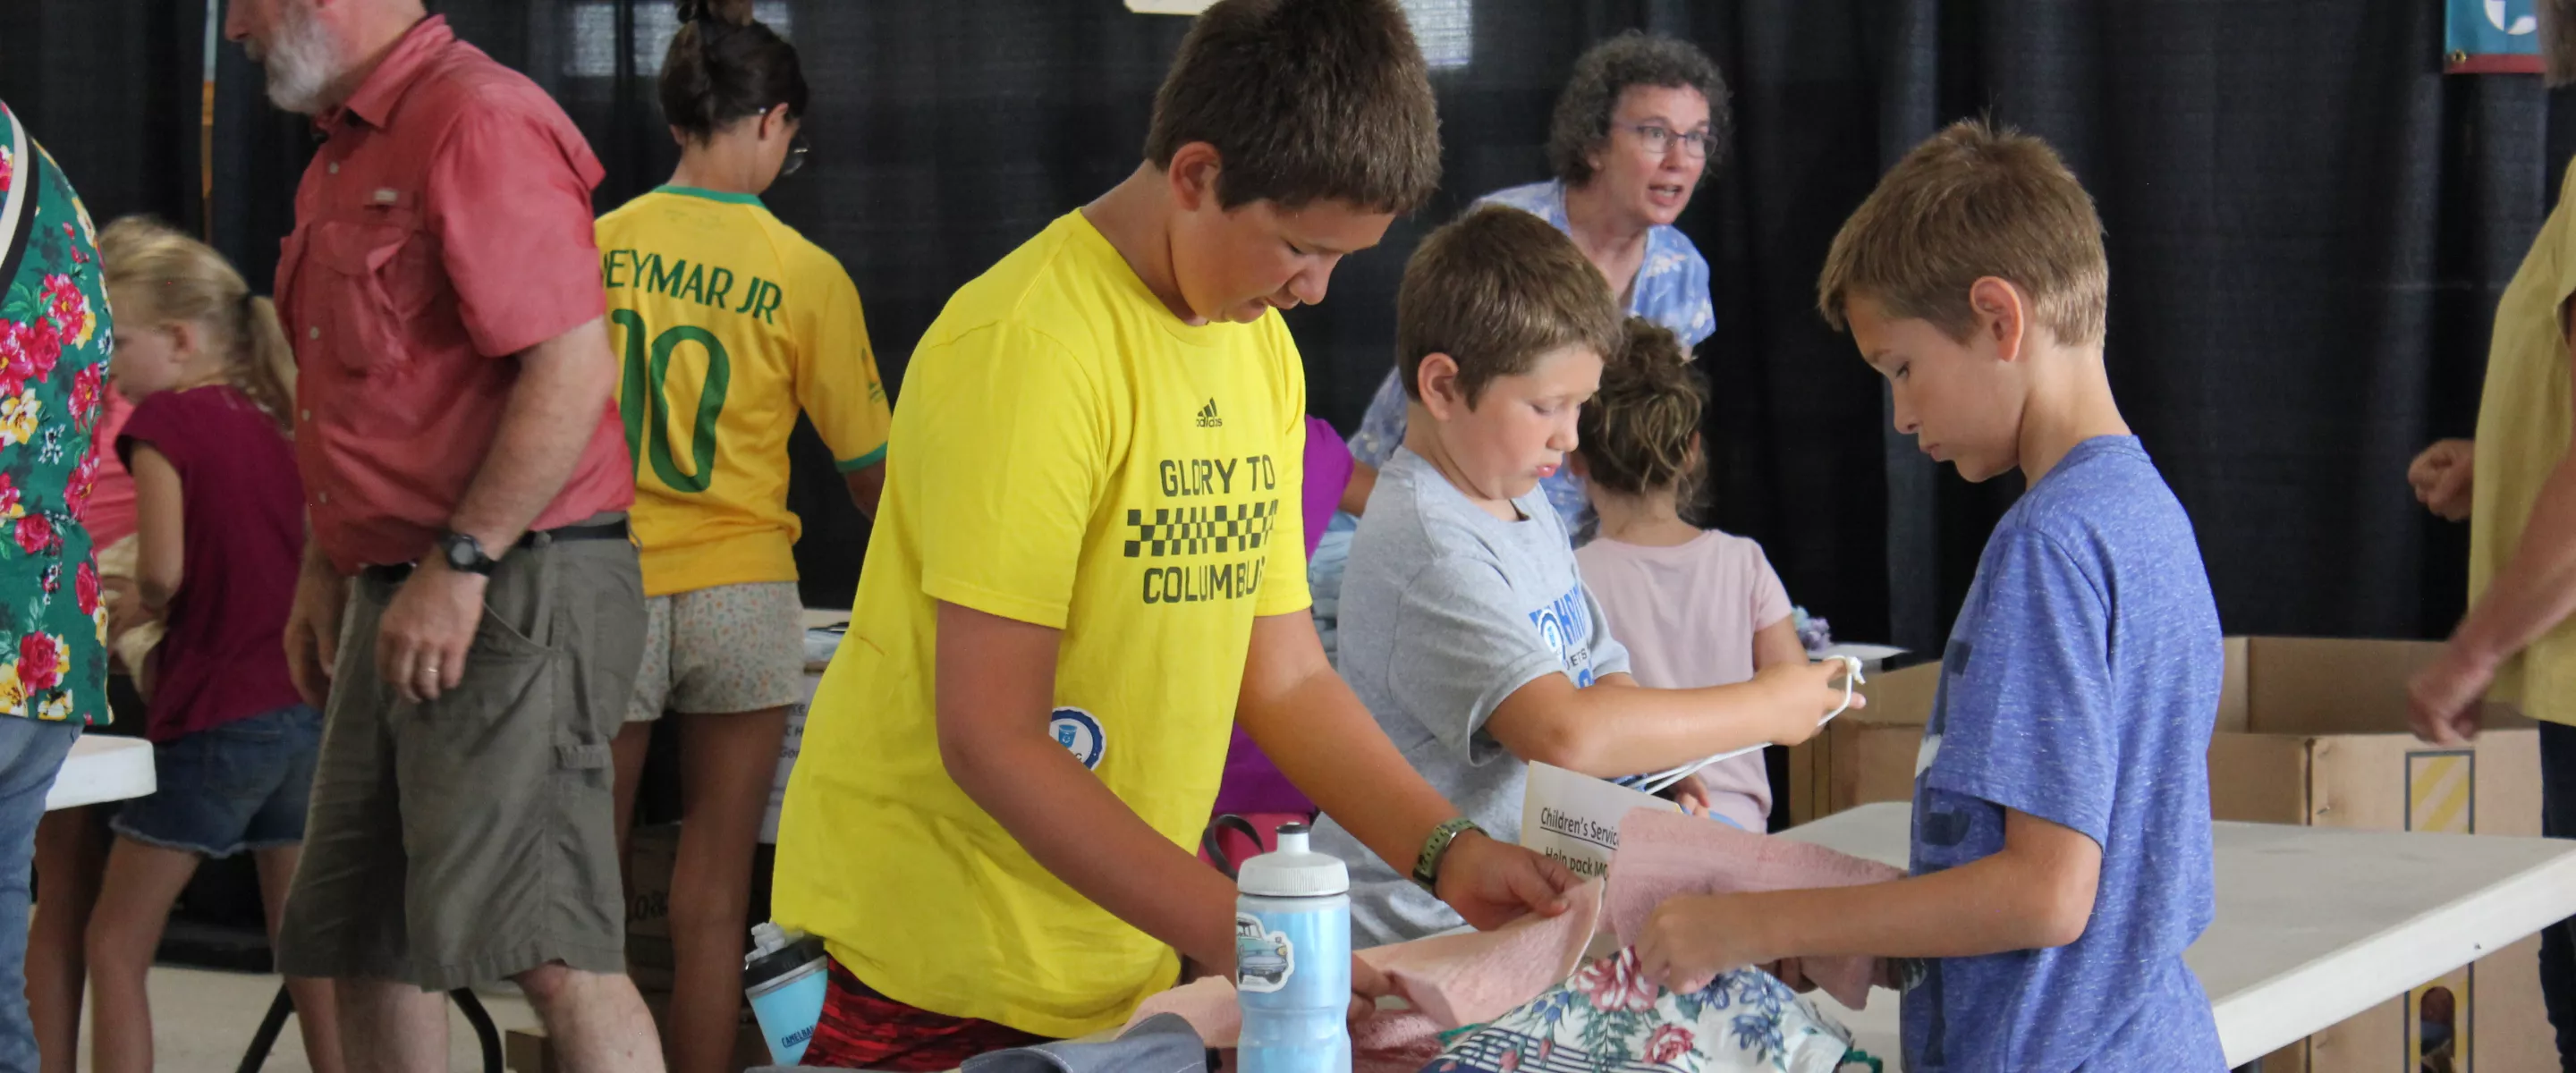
(483, 562)
(1426, 867)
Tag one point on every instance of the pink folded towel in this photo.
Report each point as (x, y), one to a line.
(1452, 981)
(1667, 855)
(1207, 1003)
(1470, 978)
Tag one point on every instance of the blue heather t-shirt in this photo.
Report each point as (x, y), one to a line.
(2080, 686)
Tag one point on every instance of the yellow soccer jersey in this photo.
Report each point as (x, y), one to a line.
(728, 322)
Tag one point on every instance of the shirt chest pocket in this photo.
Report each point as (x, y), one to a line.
(365, 285)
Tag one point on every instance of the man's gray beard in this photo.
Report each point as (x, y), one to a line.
(299, 61)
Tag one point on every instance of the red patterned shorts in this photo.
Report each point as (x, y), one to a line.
(861, 1029)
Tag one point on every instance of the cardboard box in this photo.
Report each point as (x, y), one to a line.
(650, 853)
(2310, 731)
(790, 747)
(526, 1052)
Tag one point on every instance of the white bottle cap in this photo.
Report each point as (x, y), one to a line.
(768, 938)
(1294, 871)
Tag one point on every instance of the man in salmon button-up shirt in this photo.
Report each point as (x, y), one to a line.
(467, 482)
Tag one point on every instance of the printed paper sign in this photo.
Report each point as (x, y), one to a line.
(788, 748)
(1574, 818)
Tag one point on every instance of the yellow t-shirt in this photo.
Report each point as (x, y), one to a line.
(2523, 422)
(729, 322)
(1069, 454)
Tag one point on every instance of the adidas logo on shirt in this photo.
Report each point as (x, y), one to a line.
(1208, 417)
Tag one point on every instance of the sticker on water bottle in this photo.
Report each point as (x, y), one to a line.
(1263, 960)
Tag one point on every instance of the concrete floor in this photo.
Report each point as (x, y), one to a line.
(202, 1023)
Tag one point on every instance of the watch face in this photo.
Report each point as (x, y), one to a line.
(461, 552)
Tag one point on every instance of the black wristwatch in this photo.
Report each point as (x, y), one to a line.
(464, 553)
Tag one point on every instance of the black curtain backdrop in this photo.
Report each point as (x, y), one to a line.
(114, 89)
(2308, 229)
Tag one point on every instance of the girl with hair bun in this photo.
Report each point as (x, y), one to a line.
(1696, 607)
(729, 324)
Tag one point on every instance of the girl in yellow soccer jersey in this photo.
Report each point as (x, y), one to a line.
(728, 322)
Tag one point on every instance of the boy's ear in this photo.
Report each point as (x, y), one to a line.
(1442, 394)
(2001, 316)
(1193, 174)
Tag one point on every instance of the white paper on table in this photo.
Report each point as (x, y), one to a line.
(788, 748)
(1872, 657)
(1574, 818)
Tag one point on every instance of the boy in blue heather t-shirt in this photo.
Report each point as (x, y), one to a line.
(2061, 860)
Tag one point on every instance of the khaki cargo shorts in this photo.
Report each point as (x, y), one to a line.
(471, 838)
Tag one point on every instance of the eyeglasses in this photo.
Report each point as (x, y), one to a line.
(1658, 139)
(796, 151)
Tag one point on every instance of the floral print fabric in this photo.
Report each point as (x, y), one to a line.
(1608, 1019)
(54, 344)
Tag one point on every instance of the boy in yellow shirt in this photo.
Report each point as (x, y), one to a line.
(1088, 567)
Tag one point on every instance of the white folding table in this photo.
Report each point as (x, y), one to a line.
(102, 769)
(2314, 924)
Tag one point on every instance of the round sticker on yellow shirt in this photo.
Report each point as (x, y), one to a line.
(1080, 735)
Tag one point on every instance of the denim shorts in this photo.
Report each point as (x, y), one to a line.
(240, 786)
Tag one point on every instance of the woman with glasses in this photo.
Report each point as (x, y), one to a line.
(1636, 128)
(729, 323)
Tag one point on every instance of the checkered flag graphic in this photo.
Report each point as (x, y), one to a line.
(1218, 529)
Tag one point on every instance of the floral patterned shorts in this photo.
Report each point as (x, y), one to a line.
(727, 649)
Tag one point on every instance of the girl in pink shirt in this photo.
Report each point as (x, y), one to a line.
(1696, 607)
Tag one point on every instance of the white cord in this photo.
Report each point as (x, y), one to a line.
(1663, 780)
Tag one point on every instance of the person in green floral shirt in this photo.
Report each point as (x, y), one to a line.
(54, 332)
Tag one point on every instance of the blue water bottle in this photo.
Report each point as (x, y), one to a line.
(784, 976)
(1292, 959)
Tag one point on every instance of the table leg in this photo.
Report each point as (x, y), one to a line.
(269, 1027)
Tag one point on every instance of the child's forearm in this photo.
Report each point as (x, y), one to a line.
(1617, 728)
(1078, 830)
(995, 686)
(2035, 893)
(1308, 722)
(1968, 911)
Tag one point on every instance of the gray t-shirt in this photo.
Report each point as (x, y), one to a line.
(1445, 611)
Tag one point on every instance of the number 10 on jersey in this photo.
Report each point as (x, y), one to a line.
(645, 404)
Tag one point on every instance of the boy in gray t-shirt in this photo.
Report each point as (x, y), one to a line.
(1446, 611)
(1465, 627)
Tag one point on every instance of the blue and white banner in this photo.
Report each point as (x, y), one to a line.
(2490, 37)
